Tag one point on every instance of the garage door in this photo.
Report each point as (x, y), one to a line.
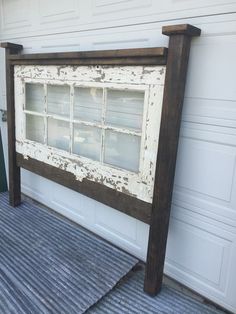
(201, 250)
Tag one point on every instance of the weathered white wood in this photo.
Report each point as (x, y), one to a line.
(147, 79)
(105, 74)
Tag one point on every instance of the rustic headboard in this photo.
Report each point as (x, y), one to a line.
(105, 124)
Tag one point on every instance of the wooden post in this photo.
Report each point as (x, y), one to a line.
(14, 170)
(3, 181)
(176, 70)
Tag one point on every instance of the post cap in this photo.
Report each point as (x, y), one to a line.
(181, 29)
(11, 46)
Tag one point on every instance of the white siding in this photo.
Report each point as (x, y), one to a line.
(202, 239)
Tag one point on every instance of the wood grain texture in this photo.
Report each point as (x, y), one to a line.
(184, 29)
(14, 170)
(176, 70)
(14, 48)
(103, 54)
(120, 201)
(141, 56)
(94, 61)
(3, 180)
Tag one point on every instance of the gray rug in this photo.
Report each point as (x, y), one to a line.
(50, 265)
(128, 298)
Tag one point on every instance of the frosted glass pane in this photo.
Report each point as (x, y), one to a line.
(122, 150)
(34, 128)
(34, 97)
(125, 108)
(87, 141)
(59, 100)
(88, 104)
(58, 134)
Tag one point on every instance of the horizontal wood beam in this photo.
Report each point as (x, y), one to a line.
(142, 56)
(101, 61)
(125, 203)
(120, 53)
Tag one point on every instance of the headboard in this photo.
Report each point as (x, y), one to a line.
(105, 124)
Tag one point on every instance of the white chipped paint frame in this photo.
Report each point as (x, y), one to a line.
(149, 79)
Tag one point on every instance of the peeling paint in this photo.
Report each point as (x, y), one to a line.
(147, 78)
(117, 74)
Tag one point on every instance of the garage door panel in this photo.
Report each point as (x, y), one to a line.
(15, 15)
(60, 45)
(110, 43)
(210, 265)
(99, 40)
(35, 187)
(67, 200)
(105, 220)
(37, 17)
(74, 206)
(210, 112)
(213, 55)
(106, 7)
(206, 168)
(204, 207)
(210, 249)
(54, 11)
(205, 179)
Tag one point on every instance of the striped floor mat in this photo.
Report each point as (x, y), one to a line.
(128, 298)
(50, 265)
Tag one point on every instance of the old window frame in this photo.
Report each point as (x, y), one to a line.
(157, 213)
(135, 184)
(71, 120)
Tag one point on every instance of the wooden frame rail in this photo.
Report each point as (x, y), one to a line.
(156, 214)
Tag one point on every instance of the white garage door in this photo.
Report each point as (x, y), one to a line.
(202, 238)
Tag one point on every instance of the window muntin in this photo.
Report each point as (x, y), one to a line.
(102, 124)
(148, 80)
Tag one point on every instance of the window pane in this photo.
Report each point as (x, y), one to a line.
(125, 108)
(87, 141)
(34, 97)
(88, 104)
(35, 128)
(59, 100)
(122, 150)
(58, 134)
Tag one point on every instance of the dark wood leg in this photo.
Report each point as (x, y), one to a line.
(3, 181)
(176, 70)
(14, 170)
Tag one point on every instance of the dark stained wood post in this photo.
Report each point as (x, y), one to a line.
(176, 70)
(14, 170)
(3, 180)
